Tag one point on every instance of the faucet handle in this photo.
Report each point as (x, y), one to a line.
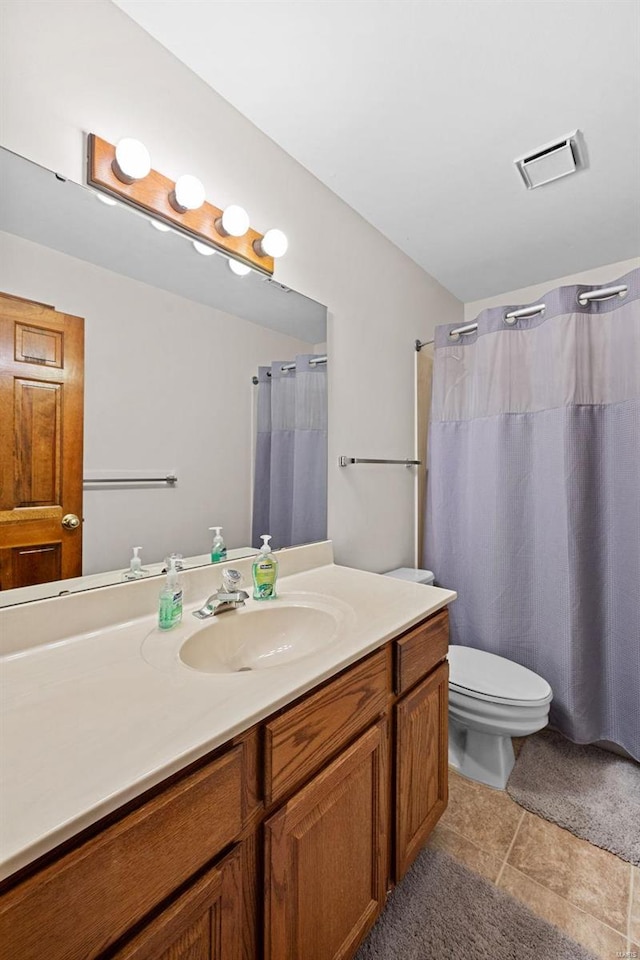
(231, 580)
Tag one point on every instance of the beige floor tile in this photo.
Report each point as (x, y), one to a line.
(487, 817)
(588, 931)
(466, 851)
(634, 926)
(590, 878)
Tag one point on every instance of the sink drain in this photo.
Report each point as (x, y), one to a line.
(243, 669)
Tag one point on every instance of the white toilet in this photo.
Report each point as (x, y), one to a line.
(491, 699)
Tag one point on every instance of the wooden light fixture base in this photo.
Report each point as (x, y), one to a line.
(152, 195)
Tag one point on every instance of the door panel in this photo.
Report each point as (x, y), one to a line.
(41, 431)
(421, 765)
(326, 855)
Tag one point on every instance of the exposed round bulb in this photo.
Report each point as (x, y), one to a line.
(132, 161)
(234, 221)
(203, 249)
(273, 244)
(159, 225)
(240, 269)
(108, 201)
(188, 194)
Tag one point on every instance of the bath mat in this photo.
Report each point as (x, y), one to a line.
(444, 911)
(590, 792)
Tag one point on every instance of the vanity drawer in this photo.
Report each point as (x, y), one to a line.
(300, 740)
(85, 901)
(420, 650)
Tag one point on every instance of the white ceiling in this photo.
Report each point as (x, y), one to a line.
(413, 113)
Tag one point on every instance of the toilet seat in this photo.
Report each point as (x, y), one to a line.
(486, 676)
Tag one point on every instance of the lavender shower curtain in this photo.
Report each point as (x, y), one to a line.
(533, 504)
(290, 483)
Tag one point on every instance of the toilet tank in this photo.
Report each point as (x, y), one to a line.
(412, 575)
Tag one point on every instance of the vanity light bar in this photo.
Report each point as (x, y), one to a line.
(155, 194)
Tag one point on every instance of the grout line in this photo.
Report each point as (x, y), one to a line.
(513, 840)
(569, 903)
(629, 904)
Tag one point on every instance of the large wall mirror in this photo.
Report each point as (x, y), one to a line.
(173, 342)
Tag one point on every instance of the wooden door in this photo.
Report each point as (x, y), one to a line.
(326, 856)
(203, 924)
(421, 765)
(41, 434)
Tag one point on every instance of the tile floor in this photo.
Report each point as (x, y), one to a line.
(589, 893)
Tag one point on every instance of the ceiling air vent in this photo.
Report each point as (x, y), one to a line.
(551, 162)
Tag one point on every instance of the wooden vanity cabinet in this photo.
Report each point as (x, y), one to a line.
(326, 856)
(280, 846)
(421, 678)
(202, 924)
(421, 765)
(88, 899)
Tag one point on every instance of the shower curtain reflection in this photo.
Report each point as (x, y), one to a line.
(290, 483)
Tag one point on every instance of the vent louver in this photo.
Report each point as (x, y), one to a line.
(552, 161)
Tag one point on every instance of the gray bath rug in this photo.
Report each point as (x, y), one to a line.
(444, 911)
(590, 792)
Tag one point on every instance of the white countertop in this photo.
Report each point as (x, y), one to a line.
(88, 723)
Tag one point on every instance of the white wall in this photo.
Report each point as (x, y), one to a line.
(168, 387)
(69, 68)
(526, 295)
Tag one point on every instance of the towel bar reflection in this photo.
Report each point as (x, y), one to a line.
(170, 479)
(345, 461)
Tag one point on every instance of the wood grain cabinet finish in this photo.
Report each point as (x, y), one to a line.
(326, 854)
(202, 924)
(420, 650)
(92, 896)
(304, 736)
(421, 765)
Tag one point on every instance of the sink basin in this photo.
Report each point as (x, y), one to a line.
(258, 638)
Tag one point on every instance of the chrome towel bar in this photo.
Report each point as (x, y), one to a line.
(345, 461)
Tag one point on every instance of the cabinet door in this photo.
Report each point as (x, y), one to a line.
(327, 857)
(203, 924)
(421, 765)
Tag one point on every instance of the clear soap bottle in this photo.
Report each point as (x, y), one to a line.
(135, 571)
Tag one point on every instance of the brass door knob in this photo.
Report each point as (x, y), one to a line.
(70, 521)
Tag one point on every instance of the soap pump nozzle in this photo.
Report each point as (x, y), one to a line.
(265, 548)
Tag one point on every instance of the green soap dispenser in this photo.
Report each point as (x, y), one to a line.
(218, 547)
(170, 606)
(265, 572)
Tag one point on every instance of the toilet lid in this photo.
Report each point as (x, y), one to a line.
(490, 676)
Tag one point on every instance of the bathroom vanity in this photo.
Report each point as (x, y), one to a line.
(307, 790)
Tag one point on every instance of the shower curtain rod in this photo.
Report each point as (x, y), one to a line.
(510, 318)
(291, 366)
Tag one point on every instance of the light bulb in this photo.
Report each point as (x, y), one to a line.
(203, 248)
(159, 225)
(234, 222)
(132, 161)
(108, 201)
(273, 244)
(188, 194)
(240, 269)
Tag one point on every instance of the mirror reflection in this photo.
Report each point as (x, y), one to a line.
(163, 387)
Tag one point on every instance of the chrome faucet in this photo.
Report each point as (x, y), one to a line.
(228, 596)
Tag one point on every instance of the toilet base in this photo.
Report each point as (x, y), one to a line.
(480, 756)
